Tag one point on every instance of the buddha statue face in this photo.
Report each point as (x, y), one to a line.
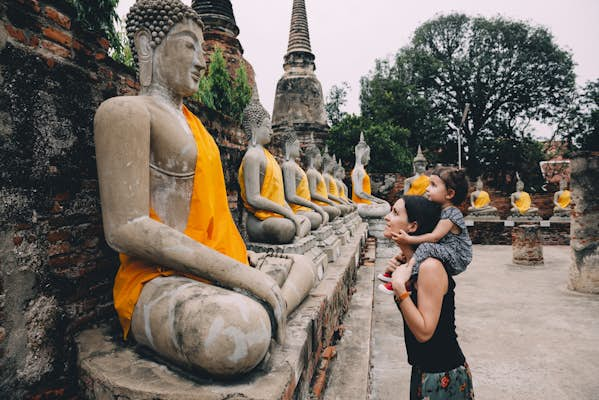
(262, 132)
(293, 149)
(562, 184)
(419, 167)
(317, 160)
(366, 157)
(479, 184)
(519, 186)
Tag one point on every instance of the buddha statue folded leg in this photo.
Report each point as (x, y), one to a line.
(314, 218)
(374, 210)
(276, 230)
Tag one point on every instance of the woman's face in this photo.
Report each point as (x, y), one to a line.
(397, 220)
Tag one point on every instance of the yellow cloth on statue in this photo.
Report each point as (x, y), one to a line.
(272, 188)
(365, 188)
(302, 190)
(342, 193)
(482, 200)
(209, 222)
(321, 189)
(523, 202)
(564, 199)
(419, 185)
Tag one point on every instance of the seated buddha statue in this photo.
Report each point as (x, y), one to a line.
(561, 201)
(339, 174)
(297, 189)
(521, 201)
(416, 185)
(316, 183)
(270, 218)
(328, 166)
(480, 202)
(184, 284)
(369, 206)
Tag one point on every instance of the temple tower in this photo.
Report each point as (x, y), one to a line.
(221, 30)
(299, 103)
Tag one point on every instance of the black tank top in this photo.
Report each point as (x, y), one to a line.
(442, 352)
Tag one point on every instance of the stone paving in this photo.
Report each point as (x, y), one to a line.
(525, 335)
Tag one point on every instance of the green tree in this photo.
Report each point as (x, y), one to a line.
(123, 53)
(336, 99)
(99, 16)
(241, 94)
(580, 127)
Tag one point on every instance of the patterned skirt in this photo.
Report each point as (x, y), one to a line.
(451, 385)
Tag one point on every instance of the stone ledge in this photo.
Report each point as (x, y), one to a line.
(110, 371)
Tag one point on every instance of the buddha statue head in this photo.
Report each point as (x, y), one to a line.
(256, 122)
(166, 41)
(419, 162)
(327, 161)
(291, 145)
(339, 170)
(362, 151)
(563, 184)
(479, 184)
(519, 183)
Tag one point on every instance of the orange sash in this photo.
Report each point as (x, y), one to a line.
(303, 191)
(321, 189)
(365, 188)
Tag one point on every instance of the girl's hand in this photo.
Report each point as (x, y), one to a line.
(400, 276)
(392, 264)
(401, 258)
(401, 238)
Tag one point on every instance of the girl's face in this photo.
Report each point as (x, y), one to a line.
(397, 220)
(437, 191)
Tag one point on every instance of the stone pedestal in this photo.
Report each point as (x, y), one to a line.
(328, 241)
(352, 222)
(376, 227)
(341, 230)
(560, 216)
(584, 228)
(307, 246)
(526, 218)
(526, 245)
(483, 216)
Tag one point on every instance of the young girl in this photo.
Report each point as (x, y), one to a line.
(449, 242)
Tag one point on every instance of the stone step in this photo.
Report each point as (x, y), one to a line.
(348, 375)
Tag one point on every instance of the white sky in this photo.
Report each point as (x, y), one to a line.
(348, 35)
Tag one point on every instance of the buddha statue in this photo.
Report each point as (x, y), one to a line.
(369, 206)
(416, 185)
(339, 174)
(521, 201)
(328, 166)
(270, 218)
(480, 202)
(561, 201)
(184, 288)
(297, 189)
(316, 182)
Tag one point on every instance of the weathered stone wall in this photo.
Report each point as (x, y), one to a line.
(56, 270)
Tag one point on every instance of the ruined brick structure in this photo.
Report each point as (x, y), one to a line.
(56, 271)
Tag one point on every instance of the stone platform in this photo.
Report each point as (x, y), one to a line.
(328, 241)
(109, 370)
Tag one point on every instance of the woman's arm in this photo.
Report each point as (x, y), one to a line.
(432, 286)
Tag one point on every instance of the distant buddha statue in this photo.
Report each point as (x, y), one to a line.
(369, 206)
(561, 200)
(339, 174)
(328, 166)
(297, 189)
(480, 202)
(184, 287)
(270, 218)
(521, 201)
(416, 185)
(316, 183)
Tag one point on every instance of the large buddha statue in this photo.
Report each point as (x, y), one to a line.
(316, 183)
(184, 287)
(328, 166)
(339, 174)
(297, 189)
(521, 201)
(480, 202)
(561, 201)
(270, 218)
(416, 185)
(369, 206)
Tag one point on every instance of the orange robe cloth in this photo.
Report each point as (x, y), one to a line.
(365, 188)
(321, 189)
(333, 189)
(482, 200)
(523, 202)
(564, 199)
(303, 191)
(272, 187)
(209, 222)
(419, 185)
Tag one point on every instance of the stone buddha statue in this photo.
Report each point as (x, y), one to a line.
(561, 201)
(339, 174)
(297, 189)
(328, 166)
(184, 287)
(316, 183)
(270, 218)
(480, 202)
(416, 185)
(521, 201)
(369, 206)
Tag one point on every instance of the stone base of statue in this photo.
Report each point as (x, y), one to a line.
(110, 369)
(560, 216)
(352, 222)
(341, 230)
(528, 217)
(307, 246)
(328, 241)
(482, 215)
(376, 227)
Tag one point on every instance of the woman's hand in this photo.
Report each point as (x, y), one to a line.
(402, 237)
(399, 278)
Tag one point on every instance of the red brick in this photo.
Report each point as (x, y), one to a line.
(57, 249)
(59, 261)
(59, 36)
(58, 17)
(100, 56)
(56, 208)
(50, 62)
(17, 240)
(56, 49)
(57, 236)
(104, 43)
(62, 196)
(34, 41)
(16, 33)
(33, 4)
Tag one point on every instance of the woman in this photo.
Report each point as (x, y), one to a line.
(439, 368)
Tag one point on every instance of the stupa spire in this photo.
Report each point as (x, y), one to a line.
(299, 35)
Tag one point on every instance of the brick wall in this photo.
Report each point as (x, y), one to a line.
(56, 270)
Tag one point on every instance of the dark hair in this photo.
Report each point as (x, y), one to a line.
(456, 180)
(422, 211)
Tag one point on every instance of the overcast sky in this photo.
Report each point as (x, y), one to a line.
(348, 35)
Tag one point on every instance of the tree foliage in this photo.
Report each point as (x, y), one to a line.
(219, 92)
(336, 99)
(99, 16)
(580, 127)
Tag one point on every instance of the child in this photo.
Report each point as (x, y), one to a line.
(449, 242)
